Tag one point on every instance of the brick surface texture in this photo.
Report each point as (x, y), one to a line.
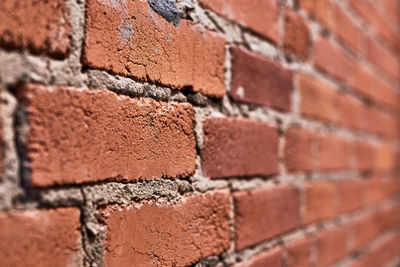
(200, 133)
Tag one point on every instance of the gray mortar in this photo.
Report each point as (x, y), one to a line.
(167, 9)
(17, 67)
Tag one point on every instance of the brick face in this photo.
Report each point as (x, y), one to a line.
(299, 252)
(319, 201)
(239, 147)
(261, 81)
(24, 26)
(161, 233)
(297, 35)
(40, 237)
(264, 213)
(88, 139)
(331, 245)
(260, 16)
(147, 47)
(199, 133)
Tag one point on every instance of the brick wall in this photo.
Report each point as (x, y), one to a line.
(200, 132)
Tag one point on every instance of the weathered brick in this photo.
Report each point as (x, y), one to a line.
(42, 27)
(273, 257)
(350, 195)
(320, 10)
(299, 252)
(331, 245)
(299, 150)
(333, 60)
(260, 16)
(296, 35)
(165, 234)
(264, 213)
(128, 38)
(40, 238)
(259, 80)
(319, 201)
(316, 98)
(239, 147)
(78, 136)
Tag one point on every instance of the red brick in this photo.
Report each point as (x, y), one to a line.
(239, 147)
(128, 38)
(347, 31)
(299, 150)
(42, 27)
(387, 61)
(273, 257)
(259, 80)
(333, 60)
(87, 136)
(385, 157)
(297, 35)
(319, 201)
(383, 124)
(299, 252)
(333, 153)
(316, 98)
(365, 156)
(372, 16)
(363, 230)
(320, 10)
(350, 112)
(165, 234)
(263, 213)
(350, 195)
(40, 238)
(331, 245)
(374, 190)
(260, 16)
(380, 255)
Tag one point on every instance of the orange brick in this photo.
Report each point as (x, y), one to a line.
(78, 136)
(42, 27)
(333, 60)
(333, 153)
(260, 16)
(299, 150)
(316, 98)
(159, 233)
(350, 195)
(40, 238)
(320, 201)
(299, 252)
(347, 31)
(320, 10)
(263, 213)
(296, 35)
(350, 112)
(128, 38)
(331, 246)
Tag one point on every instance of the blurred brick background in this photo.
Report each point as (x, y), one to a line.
(200, 133)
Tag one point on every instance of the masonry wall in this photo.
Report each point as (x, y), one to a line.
(200, 132)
